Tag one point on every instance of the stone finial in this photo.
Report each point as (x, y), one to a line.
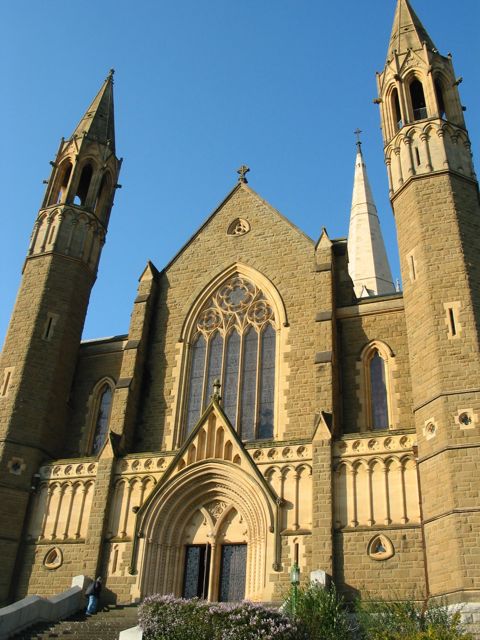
(242, 172)
(217, 390)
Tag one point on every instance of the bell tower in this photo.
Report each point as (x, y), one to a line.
(435, 199)
(38, 360)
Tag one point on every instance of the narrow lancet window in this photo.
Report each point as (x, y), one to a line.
(396, 110)
(378, 392)
(230, 385)
(440, 100)
(214, 365)
(102, 419)
(63, 179)
(83, 185)
(267, 384)
(195, 391)
(417, 96)
(249, 385)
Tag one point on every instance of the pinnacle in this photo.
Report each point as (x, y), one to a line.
(408, 31)
(98, 122)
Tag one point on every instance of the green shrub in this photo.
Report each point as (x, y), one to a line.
(321, 612)
(408, 620)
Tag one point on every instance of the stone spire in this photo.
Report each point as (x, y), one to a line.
(408, 32)
(98, 121)
(367, 259)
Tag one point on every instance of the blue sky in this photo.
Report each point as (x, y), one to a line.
(200, 88)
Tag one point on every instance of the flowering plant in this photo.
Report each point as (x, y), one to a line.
(170, 618)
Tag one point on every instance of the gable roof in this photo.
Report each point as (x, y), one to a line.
(239, 186)
(202, 445)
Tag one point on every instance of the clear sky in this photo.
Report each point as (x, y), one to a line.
(200, 88)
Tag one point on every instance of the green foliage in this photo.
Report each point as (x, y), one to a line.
(408, 620)
(322, 612)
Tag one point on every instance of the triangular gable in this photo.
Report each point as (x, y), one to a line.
(231, 194)
(212, 439)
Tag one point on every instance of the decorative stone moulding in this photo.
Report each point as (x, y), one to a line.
(152, 465)
(466, 419)
(71, 470)
(53, 559)
(239, 227)
(292, 452)
(380, 548)
(369, 445)
(430, 429)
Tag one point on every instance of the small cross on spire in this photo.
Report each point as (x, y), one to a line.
(357, 132)
(242, 172)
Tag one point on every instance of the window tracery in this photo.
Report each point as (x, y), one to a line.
(235, 340)
(238, 227)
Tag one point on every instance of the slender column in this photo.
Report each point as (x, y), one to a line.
(441, 135)
(411, 168)
(426, 151)
(388, 162)
(352, 503)
(388, 519)
(399, 166)
(371, 520)
(80, 513)
(154, 587)
(296, 479)
(404, 495)
(123, 532)
(166, 567)
(45, 515)
(57, 515)
(33, 238)
(214, 575)
(47, 233)
(71, 495)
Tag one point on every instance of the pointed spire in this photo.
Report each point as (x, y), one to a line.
(408, 32)
(98, 123)
(367, 258)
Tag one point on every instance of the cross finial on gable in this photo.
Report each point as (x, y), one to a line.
(242, 172)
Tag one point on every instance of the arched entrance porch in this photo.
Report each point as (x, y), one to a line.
(210, 525)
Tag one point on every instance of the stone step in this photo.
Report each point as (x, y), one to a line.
(104, 625)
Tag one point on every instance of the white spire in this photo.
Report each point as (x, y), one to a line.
(367, 259)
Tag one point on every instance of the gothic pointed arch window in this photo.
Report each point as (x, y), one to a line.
(83, 186)
(396, 110)
(100, 408)
(417, 97)
(378, 392)
(235, 340)
(377, 363)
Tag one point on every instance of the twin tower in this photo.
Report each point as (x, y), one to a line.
(435, 199)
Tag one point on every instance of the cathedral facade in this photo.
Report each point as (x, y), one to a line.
(275, 401)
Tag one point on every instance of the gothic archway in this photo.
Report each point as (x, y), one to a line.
(212, 491)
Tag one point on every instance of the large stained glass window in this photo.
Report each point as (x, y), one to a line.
(378, 388)
(235, 341)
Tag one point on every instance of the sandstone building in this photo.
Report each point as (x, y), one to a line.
(345, 425)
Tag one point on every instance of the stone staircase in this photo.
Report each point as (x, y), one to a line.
(105, 625)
